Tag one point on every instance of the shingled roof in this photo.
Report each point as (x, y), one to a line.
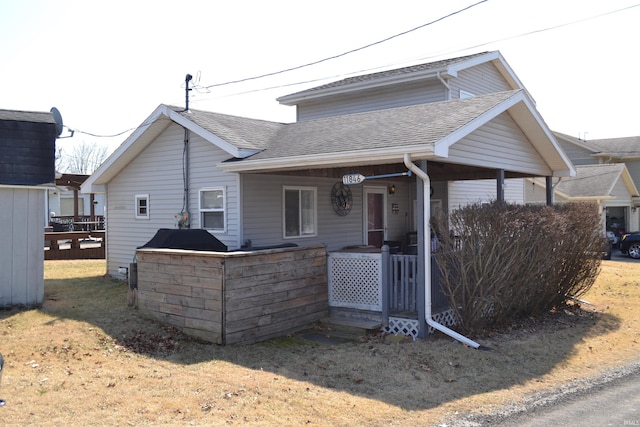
(408, 126)
(425, 131)
(26, 116)
(413, 69)
(620, 148)
(593, 181)
(242, 132)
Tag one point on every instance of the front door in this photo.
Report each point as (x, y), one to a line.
(375, 221)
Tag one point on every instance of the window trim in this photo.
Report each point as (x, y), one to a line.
(202, 210)
(466, 94)
(300, 188)
(137, 199)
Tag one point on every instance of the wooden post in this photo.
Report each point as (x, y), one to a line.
(75, 205)
(92, 211)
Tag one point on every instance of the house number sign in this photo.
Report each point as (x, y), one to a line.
(357, 178)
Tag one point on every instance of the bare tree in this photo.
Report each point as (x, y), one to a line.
(83, 158)
(58, 158)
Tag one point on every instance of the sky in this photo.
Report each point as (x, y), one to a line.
(107, 65)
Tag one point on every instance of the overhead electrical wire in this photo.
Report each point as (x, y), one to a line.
(422, 58)
(369, 70)
(304, 65)
(349, 51)
(100, 136)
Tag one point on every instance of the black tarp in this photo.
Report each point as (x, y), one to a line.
(194, 239)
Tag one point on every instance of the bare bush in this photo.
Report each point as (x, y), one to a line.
(500, 262)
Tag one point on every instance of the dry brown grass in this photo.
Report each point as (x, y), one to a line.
(85, 358)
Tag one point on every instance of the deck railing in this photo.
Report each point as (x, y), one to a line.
(82, 223)
(380, 282)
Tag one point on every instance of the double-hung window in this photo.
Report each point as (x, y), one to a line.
(142, 206)
(213, 209)
(300, 218)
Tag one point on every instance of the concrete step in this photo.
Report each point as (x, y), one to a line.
(349, 328)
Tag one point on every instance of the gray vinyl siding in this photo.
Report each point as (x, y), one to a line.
(499, 144)
(262, 212)
(204, 174)
(578, 155)
(372, 100)
(534, 194)
(158, 172)
(462, 193)
(479, 80)
(634, 170)
(22, 246)
(620, 193)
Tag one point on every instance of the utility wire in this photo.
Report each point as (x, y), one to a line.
(420, 59)
(100, 136)
(304, 65)
(554, 27)
(369, 70)
(349, 51)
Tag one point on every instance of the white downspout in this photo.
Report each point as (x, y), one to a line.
(446, 84)
(427, 255)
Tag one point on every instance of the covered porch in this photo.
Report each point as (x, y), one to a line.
(496, 136)
(383, 284)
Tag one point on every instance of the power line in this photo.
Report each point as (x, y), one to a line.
(101, 136)
(555, 27)
(347, 52)
(369, 70)
(397, 63)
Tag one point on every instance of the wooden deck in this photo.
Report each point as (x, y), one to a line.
(74, 245)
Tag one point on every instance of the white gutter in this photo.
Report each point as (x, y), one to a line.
(427, 256)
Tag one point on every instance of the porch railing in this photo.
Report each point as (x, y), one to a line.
(402, 283)
(401, 287)
(381, 282)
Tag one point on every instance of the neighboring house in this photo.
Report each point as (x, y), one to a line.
(66, 205)
(256, 182)
(27, 157)
(609, 186)
(620, 211)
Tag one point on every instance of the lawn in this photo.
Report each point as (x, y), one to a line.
(86, 358)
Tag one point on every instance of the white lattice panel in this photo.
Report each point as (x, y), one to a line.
(446, 318)
(406, 327)
(355, 281)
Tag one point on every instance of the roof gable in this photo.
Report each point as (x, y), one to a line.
(596, 181)
(238, 136)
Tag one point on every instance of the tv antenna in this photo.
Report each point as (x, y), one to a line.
(187, 89)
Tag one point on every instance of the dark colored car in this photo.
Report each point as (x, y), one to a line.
(630, 244)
